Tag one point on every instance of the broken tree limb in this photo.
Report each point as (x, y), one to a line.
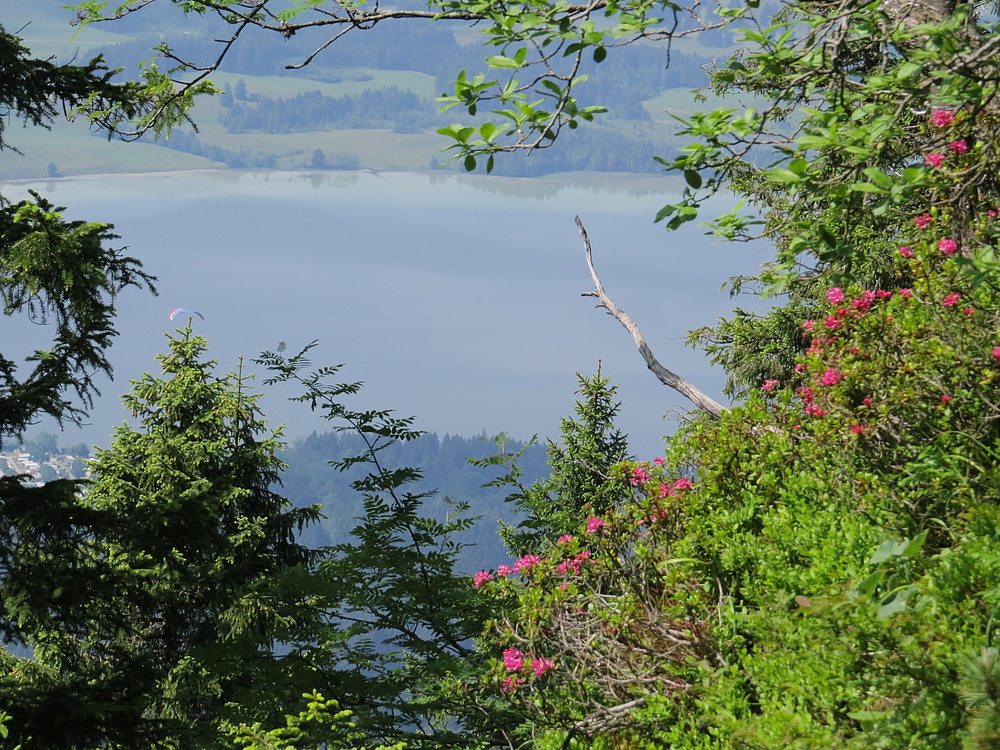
(665, 376)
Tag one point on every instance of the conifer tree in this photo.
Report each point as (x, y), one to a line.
(180, 578)
(581, 479)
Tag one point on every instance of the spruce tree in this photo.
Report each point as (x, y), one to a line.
(179, 581)
(580, 480)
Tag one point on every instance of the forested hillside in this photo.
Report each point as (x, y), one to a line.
(444, 467)
(310, 479)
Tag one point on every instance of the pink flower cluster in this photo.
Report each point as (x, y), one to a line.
(514, 661)
(942, 118)
(480, 578)
(947, 246)
(639, 475)
(541, 665)
(511, 683)
(526, 563)
(574, 564)
(832, 376)
(594, 523)
(934, 160)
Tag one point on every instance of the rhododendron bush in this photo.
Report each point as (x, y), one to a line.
(816, 569)
(818, 566)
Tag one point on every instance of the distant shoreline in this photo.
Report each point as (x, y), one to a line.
(560, 177)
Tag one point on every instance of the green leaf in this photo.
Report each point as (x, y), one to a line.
(868, 586)
(884, 552)
(867, 719)
(913, 547)
(499, 61)
(896, 601)
(664, 212)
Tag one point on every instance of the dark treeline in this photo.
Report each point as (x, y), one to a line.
(189, 143)
(181, 140)
(391, 107)
(444, 465)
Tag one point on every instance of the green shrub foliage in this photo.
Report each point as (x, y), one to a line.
(828, 578)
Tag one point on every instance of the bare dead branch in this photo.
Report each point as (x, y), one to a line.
(665, 376)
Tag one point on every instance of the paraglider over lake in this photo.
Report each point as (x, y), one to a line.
(182, 311)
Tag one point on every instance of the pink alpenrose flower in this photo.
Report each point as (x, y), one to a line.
(513, 659)
(934, 160)
(942, 118)
(480, 578)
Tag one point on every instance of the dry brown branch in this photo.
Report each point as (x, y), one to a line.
(665, 376)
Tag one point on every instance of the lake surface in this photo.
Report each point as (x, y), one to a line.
(455, 298)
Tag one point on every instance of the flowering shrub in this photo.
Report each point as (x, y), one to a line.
(814, 555)
(579, 639)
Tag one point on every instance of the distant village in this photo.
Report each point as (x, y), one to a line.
(42, 466)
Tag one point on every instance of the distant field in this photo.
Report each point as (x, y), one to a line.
(75, 152)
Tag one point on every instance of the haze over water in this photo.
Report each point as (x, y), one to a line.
(455, 298)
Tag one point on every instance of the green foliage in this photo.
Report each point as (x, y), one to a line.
(830, 161)
(4, 731)
(829, 577)
(816, 569)
(59, 272)
(579, 481)
(38, 90)
(156, 600)
(398, 633)
(320, 725)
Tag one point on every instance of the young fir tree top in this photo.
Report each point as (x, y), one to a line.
(581, 479)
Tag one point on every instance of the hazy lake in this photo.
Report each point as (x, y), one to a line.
(455, 298)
